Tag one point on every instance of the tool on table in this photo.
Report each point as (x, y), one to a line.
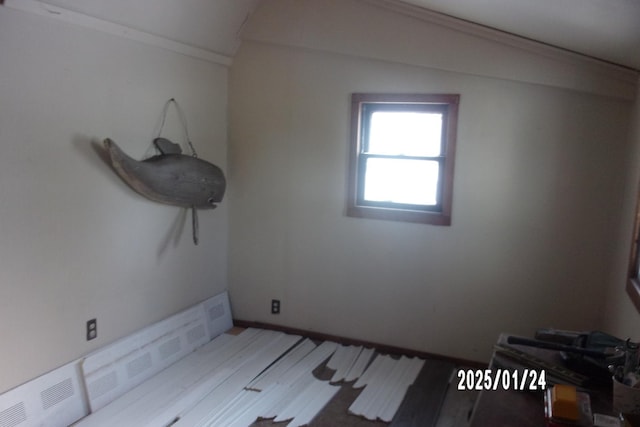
(555, 373)
(595, 354)
(599, 353)
(628, 373)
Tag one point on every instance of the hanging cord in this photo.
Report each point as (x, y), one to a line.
(183, 121)
(194, 224)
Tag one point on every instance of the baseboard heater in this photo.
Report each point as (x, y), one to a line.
(73, 391)
(185, 371)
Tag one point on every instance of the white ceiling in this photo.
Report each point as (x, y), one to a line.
(605, 29)
(209, 24)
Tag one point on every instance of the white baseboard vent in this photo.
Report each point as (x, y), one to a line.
(67, 394)
(218, 314)
(117, 368)
(53, 399)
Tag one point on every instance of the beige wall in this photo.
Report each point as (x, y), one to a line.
(536, 167)
(75, 241)
(541, 150)
(620, 317)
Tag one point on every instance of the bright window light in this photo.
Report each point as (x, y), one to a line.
(405, 133)
(413, 182)
(402, 156)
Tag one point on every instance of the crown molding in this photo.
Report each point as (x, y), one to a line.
(477, 30)
(42, 8)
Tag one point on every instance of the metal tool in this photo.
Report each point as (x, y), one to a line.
(603, 353)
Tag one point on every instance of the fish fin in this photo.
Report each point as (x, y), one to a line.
(167, 147)
(194, 224)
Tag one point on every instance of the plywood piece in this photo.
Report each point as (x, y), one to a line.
(338, 357)
(256, 359)
(240, 404)
(286, 393)
(197, 388)
(421, 404)
(398, 391)
(345, 363)
(386, 386)
(309, 362)
(359, 365)
(271, 375)
(306, 404)
(382, 389)
(292, 382)
(323, 395)
(298, 402)
(224, 378)
(266, 399)
(371, 371)
(204, 366)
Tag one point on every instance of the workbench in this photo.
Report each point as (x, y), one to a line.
(508, 408)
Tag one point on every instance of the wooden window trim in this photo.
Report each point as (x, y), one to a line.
(633, 281)
(441, 217)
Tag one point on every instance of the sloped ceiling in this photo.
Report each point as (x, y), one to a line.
(604, 29)
(212, 25)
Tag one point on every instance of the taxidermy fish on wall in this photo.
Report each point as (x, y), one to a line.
(171, 177)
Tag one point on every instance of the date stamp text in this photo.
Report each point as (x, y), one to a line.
(501, 379)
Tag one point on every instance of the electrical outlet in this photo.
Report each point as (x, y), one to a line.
(275, 306)
(92, 329)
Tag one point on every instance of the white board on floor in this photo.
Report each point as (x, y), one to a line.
(53, 399)
(118, 367)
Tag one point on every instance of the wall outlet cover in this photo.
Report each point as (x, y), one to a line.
(275, 306)
(92, 329)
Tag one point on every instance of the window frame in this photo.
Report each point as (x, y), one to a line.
(362, 106)
(633, 276)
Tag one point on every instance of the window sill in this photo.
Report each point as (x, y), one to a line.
(633, 290)
(424, 217)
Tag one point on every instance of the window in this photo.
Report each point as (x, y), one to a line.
(402, 156)
(633, 282)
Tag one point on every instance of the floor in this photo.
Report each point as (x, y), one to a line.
(453, 412)
(453, 409)
(457, 407)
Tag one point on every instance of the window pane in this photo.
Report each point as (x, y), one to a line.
(401, 181)
(405, 133)
(637, 260)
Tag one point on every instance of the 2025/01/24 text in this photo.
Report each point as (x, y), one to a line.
(501, 379)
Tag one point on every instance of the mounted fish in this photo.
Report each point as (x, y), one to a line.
(171, 177)
(175, 179)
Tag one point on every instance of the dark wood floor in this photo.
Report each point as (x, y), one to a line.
(457, 407)
(429, 402)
